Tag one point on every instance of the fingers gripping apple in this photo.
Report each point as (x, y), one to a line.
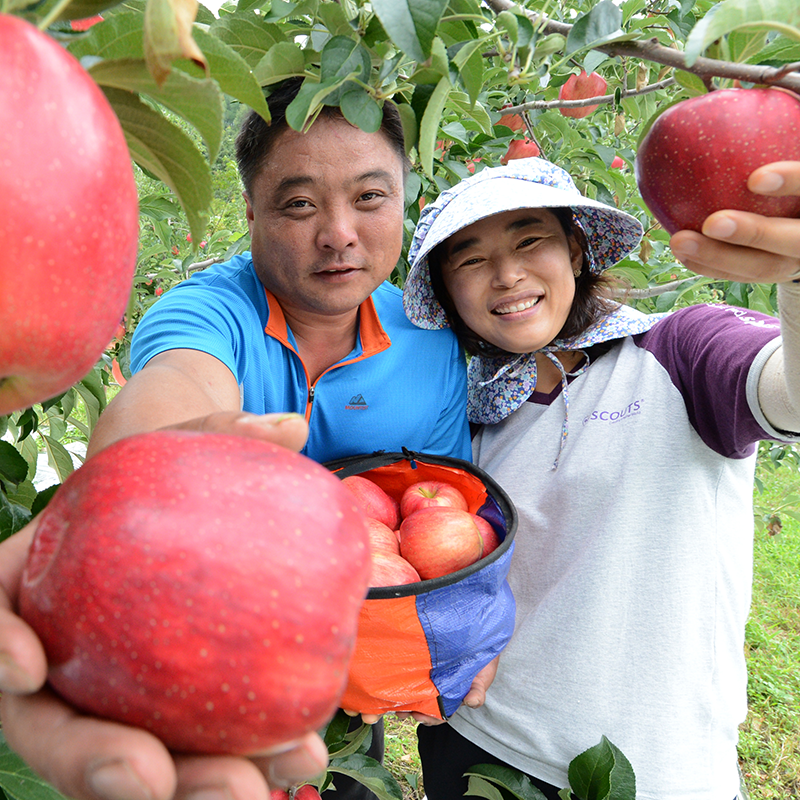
(201, 586)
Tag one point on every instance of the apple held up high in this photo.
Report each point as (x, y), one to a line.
(204, 587)
(69, 221)
(581, 87)
(424, 494)
(440, 540)
(698, 154)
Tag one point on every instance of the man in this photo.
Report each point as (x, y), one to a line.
(304, 324)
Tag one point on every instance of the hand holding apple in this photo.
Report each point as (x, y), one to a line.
(96, 758)
(742, 246)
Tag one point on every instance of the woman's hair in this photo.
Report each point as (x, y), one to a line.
(590, 304)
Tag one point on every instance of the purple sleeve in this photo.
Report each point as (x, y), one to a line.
(707, 351)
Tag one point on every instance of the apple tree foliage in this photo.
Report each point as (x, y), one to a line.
(179, 75)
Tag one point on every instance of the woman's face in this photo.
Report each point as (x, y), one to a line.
(511, 277)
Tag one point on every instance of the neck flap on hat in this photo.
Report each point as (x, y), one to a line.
(499, 386)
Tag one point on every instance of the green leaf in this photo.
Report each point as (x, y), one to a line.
(199, 102)
(19, 781)
(362, 110)
(13, 467)
(429, 127)
(461, 102)
(232, 72)
(119, 36)
(13, 517)
(602, 773)
(411, 24)
(282, 60)
(478, 787)
(166, 151)
(306, 105)
(248, 35)
(158, 208)
(361, 740)
(469, 61)
(731, 15)
(368, 772)
(58, 457)
(601, 24)
(335, 19)
(510, 779)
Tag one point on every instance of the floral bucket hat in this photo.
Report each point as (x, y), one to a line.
(523, 183)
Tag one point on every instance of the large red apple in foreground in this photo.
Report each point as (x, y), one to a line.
(698, 154)
(69, 220)
(440, 540)
(425, 494)
(374, 501)
(204, 587)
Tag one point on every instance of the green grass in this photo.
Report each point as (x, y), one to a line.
(769, 745)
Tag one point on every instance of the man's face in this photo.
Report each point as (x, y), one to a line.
(326, 217)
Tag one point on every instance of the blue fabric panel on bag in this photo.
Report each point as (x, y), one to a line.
(467, 624)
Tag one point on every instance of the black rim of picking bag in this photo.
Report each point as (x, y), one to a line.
(497, 500)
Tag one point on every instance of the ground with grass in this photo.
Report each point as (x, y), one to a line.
(769, 745)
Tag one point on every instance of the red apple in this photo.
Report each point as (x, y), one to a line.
(698, 154)
(439, 540)
(431, 493)
(373, 500)
(85, 23)
(520, 148)
(489, 535)
(279, 794)
(391, 569)
(204, 587)
(307, 792)
(581, 87)
(513, 121)
(68, 218)
(617, 163)
(382, 537)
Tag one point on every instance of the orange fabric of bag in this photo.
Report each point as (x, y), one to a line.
(390, 670)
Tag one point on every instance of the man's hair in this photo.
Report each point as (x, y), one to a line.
(590, 304)
(256, 137)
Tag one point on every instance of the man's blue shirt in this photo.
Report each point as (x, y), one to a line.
(399, 387)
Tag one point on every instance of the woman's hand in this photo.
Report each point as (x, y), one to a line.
(739, 246)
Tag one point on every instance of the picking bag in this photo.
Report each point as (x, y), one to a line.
(420, 645)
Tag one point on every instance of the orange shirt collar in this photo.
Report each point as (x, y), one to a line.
(373, 337)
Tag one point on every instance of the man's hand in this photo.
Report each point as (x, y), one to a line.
(739, 246)
(88, 758)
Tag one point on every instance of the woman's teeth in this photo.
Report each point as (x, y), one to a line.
(517, 307)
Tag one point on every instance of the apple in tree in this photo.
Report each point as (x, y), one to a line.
(581, 87)
(520, 148)
(698, 154)
(424, 494)
(513, 121)
(617, 162)
(489, 535)
(374, 501)
(439, 540)
(69, 223)
(391, 569)
(201, 586)
(382, 537)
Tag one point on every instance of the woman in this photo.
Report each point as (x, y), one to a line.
(627, 442)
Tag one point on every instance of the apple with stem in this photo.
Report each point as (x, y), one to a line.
(425, 494)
